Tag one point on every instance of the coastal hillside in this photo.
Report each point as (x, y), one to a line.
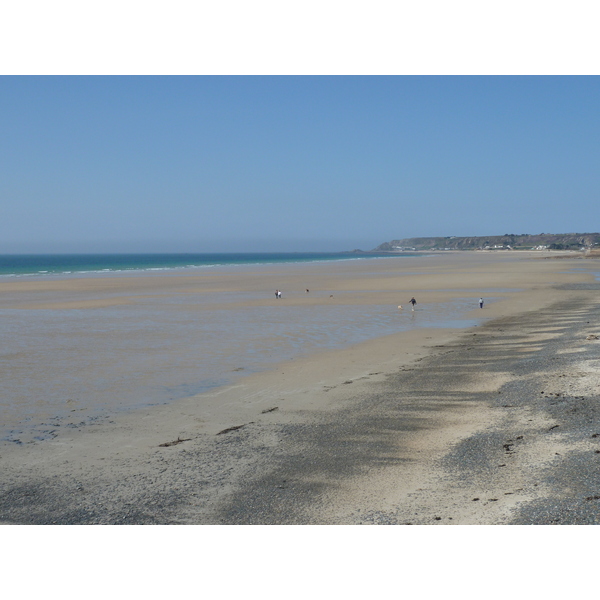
(508, 241)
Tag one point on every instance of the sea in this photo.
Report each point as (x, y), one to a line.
(65, 368)
(19, 265)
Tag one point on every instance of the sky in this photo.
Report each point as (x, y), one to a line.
(292, 163)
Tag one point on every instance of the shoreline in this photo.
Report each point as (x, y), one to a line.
(321, 436)
(161, 338)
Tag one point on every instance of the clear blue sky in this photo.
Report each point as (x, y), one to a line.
(200, 164)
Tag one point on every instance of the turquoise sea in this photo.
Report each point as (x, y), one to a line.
(12, 265)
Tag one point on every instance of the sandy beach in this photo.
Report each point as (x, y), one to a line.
(496, 423)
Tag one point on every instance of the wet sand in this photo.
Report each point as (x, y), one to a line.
(490, 425)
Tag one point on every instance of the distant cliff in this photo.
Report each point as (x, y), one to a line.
(508, 241)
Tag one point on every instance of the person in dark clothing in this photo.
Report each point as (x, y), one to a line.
(413, 302)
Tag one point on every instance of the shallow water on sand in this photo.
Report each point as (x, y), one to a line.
(65, 368)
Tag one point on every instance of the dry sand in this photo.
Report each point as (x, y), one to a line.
(489, 425)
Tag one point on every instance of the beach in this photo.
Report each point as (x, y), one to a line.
(448, 414)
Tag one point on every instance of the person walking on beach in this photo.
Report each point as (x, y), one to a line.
(480, 302)
(413, 302)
